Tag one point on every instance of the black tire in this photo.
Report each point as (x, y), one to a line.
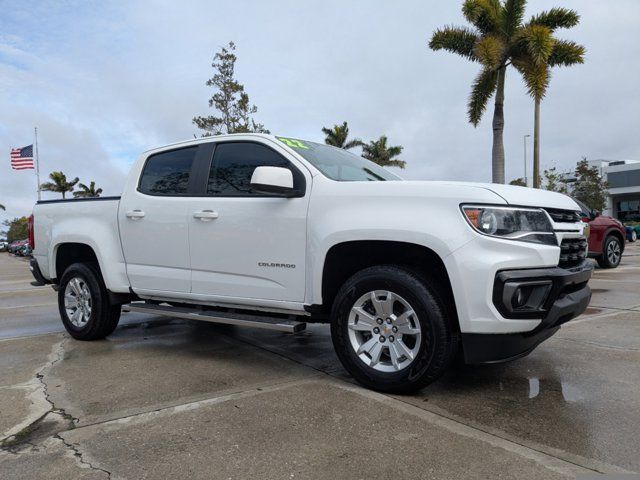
(104, 317)
(607, 259)
(439, 344)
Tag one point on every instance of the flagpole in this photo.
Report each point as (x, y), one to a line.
(37, 163)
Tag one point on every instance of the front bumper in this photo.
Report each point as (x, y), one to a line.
(567, 297)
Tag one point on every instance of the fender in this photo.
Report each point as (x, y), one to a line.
(352, 211)
(113, 272)
(607, 232)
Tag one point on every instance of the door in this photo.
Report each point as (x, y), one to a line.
(153, 223)
(245, 244)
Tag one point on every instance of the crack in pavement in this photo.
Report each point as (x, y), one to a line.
(50, 424)
(52, 419)
(79, 456)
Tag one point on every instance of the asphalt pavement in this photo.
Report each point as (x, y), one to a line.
(169, 398)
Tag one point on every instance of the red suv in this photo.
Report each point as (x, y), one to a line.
(606, 237)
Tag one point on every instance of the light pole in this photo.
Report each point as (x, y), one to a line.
(525, 159)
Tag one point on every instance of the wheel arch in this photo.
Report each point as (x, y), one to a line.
(68, 253)
(345, 259)
(615, 232)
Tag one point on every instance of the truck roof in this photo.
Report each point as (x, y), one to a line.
(197, 141)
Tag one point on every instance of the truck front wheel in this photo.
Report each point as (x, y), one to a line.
(84, 304)
(390, 330)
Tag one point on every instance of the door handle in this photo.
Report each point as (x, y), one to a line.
(205, 215)
(135, 214)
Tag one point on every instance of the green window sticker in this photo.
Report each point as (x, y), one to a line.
(293, 143)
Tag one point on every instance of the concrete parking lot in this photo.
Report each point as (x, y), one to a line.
(164, 398)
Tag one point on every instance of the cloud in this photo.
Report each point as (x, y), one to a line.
(104, 82)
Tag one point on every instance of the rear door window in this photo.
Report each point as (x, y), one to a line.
(167, 173)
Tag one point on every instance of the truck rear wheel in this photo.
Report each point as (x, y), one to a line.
(84, 304)
(390, 330)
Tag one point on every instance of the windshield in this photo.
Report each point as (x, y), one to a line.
(585, 210)
(339, 164)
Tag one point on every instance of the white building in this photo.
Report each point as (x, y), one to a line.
(623, 177)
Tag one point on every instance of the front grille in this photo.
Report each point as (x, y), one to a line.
(572, 252)
(563, 216)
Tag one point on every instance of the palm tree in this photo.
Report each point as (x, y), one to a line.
(87, 192)
(59, 183)
(493, 41)
(539, 51)
(337, 137)
(378, 152)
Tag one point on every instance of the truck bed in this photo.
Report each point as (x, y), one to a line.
(83, 221)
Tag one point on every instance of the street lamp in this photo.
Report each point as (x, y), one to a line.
(525, 160)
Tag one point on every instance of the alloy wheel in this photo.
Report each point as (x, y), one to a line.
(613, 252)
(384, 331)
(77, 302)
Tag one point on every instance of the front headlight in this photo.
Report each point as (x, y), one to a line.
(522, 224)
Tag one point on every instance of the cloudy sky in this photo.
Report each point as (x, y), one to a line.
(104, 81)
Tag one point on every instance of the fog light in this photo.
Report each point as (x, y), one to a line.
(519, 298)
(526, 296)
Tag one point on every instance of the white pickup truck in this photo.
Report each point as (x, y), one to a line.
(274, 232)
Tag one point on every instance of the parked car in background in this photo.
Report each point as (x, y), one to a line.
(3, 246)
(14, 247)
(632, 233)
(24, 250)
(606, 238)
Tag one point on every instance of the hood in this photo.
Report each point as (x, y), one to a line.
(526, 197)
(462, 192)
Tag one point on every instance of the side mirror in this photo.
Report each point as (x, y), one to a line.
(273, 180)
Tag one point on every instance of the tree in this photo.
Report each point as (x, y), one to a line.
(230, 100)
(553, 181)
(18, 229)
(589, 186)
(59, 183)
(2, 207)
(489, 43)
(87, 192)
(518, 182)
(493, 41)
(536, 52)
(378, 152)
(337, 136)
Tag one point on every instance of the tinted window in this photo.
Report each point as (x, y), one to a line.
(167, 173)
(234, 163)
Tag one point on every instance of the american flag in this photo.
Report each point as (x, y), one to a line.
(22, 158)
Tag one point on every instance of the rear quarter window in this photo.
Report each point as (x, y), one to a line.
(167, 173)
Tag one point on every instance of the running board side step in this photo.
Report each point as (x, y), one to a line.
(228, 318)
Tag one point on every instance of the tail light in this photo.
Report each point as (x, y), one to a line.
(32, 241)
